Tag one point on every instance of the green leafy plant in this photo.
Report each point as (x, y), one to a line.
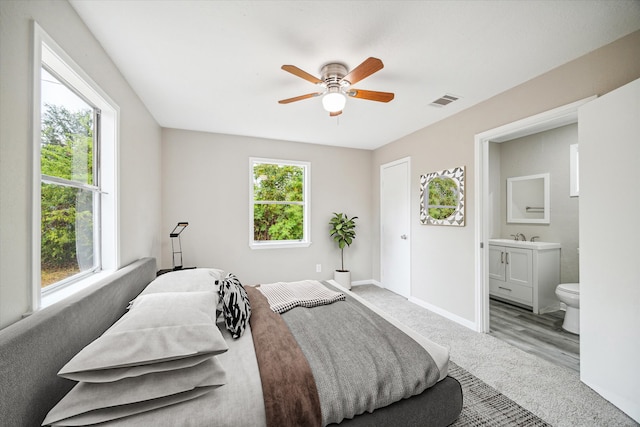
(343, 231)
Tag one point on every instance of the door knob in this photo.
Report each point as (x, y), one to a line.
(403, 237)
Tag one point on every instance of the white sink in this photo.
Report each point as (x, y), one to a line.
(525, 245)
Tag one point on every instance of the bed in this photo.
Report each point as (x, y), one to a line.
(268, 369)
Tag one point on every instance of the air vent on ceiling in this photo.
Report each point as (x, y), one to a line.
(444, 100)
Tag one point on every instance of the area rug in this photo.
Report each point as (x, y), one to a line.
(484, 406)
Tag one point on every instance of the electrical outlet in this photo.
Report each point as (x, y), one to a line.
(318, 268)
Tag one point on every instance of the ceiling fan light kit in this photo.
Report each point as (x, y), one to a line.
(334, 101)
(336, 84)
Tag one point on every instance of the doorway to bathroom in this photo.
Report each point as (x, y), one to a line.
(527, 317)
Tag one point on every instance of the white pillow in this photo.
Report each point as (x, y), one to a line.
(158, 328)
(92, 403)
(116, 374)
(192, 280)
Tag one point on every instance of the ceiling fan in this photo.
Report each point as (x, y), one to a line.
(336, 84)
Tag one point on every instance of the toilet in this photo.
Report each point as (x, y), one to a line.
(569, 293)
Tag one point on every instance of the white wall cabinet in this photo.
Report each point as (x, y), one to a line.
(526, 273)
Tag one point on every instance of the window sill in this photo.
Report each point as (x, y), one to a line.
(279, 245)
(57, 295)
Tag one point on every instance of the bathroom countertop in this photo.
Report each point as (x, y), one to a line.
(540, 246)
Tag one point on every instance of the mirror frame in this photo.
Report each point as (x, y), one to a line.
(457, 217)
(546, 217)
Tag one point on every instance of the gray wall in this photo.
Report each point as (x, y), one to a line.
(205, 181)
(443, 264)
(139, 145)
(544, 152)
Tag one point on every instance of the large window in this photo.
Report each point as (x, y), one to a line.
(75, 130)
(70, 191)
(279, 203)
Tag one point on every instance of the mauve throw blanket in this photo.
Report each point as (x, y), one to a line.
(360, 362)
(288, 386)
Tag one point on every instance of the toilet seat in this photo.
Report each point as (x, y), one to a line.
(570, 288)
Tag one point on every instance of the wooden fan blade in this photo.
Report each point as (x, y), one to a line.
(300, 73)
(368, 67)
(335, 113)
(299, 98)
(371, 95)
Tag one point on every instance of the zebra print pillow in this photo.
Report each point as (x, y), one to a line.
(235, 305)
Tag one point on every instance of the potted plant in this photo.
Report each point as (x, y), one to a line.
(343, 231)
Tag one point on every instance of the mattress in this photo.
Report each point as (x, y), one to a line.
(178, 313)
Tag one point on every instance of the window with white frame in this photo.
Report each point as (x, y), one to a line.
(75, 131)
(279, 203)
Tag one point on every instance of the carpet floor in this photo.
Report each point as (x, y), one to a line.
(485, 406)
(553, 393)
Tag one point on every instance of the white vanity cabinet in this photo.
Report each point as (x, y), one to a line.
(526, 273)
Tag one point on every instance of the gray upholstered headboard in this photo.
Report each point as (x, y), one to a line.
(33, 350)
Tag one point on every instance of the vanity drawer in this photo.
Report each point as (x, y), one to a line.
(511, 291)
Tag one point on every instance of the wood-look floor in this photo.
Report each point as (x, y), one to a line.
(541, 335)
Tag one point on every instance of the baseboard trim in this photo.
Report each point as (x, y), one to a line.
(444, 313)
(366, 282)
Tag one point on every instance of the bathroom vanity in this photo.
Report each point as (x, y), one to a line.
(525, 273)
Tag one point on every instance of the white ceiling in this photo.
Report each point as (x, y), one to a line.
(214, 66)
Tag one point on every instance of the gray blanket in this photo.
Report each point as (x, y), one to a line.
(360, 361)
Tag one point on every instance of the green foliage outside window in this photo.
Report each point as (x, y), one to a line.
(278, 192)
(66, 212)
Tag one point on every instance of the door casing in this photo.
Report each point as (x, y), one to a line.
(561, 116)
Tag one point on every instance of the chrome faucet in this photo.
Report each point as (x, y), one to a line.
(534, 238)
(524, 239)
(515, 236)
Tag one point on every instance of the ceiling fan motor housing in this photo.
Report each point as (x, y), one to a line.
(332, 75)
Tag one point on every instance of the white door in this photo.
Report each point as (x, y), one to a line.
(395, 220)
(609, 137)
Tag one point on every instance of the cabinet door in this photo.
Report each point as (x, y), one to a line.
(519, 266)
(496, 262)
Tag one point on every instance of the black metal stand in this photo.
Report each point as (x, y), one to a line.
(175, 254)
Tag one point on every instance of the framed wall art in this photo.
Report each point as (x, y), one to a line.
(442, 197)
